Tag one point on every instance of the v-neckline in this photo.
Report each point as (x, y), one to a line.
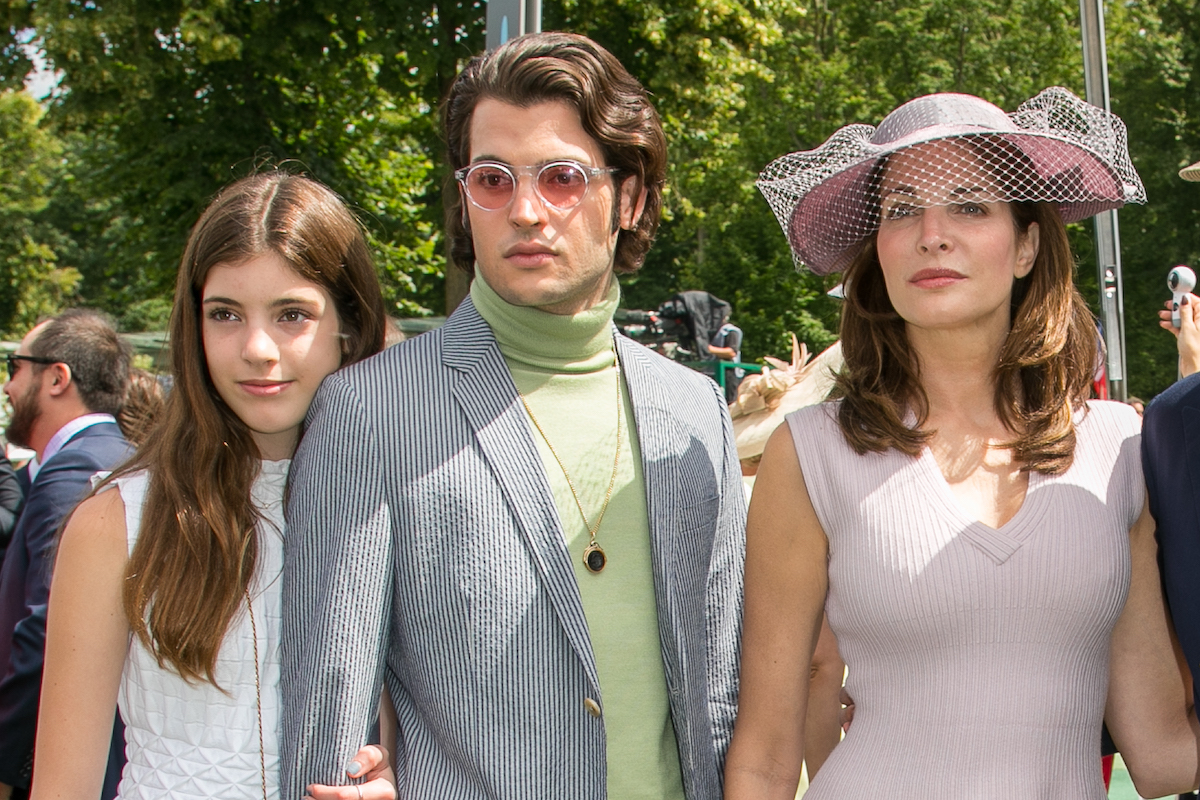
(999, 544)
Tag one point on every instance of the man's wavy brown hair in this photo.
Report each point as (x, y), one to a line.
(613, 107)
(197, 547)
(1043, 376)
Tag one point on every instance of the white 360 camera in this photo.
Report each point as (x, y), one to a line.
(1180, 281)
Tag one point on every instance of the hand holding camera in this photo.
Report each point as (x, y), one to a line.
(1182, 318)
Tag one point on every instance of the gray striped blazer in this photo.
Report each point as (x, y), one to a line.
(424, 548)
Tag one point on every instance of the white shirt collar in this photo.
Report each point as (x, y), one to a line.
(64, 435)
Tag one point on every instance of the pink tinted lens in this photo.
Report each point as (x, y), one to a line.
(490, 187)
(562, 185)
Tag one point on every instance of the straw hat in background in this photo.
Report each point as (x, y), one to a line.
(763, 400)
(1191, 173)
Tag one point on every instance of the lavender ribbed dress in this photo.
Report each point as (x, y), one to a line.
(978, 658)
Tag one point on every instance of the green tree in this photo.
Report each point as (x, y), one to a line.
(32, 284)
(172, 100)
(741, 83)
(162, 102)
(1152, 48)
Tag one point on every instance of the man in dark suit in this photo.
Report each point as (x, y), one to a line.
(66, 382)
(1171, 462)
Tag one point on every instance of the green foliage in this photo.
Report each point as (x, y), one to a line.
(146, 315)
(1152, 47)
(171, 100)
(741, 82)
(32, 283)
(164, 101)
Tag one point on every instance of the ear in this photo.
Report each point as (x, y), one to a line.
(1027, 250)
(631, 206)
(57, 379)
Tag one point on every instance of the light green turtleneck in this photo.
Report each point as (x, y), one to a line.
(564, 366)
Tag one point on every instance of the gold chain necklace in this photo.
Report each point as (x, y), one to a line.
(262, 750)
(594, 557)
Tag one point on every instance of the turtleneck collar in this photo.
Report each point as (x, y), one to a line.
(569, 343)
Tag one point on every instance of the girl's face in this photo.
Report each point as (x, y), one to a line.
(947, 242)
(270, 338)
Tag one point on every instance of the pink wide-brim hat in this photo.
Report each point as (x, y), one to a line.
(826, 199)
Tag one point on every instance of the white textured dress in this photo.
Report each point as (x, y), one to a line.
(192, 740)
(977, 656)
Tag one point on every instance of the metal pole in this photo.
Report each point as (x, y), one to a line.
(1108, 238)
(508, 19)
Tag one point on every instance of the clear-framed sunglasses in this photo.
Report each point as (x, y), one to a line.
(490, 185)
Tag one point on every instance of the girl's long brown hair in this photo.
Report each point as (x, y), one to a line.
(1044, 372)
(196, 550)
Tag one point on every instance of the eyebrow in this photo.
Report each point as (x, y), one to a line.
(282, 301)
(911, 191)
(481, 159)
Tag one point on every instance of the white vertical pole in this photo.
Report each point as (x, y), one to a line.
(1108, 239)
(508, 19)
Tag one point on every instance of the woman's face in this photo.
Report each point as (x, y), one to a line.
(270, 338)
(947, 243)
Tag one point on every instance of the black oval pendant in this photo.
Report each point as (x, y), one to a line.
(594, 558)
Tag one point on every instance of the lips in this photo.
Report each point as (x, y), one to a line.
(262, 388)
(529, 254)
(936, 278)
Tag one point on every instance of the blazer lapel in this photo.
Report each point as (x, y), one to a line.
(658, 436)
(485, 393)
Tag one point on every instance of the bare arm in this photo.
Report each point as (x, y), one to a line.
(786, 580)
(723, 353)
(87, 638)
(1187, 334)
(389, 725)
(1149, 711)
(822, 724)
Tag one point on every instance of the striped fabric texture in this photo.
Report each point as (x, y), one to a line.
(972, 649)
(424, 548)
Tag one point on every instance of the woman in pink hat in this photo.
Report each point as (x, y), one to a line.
(972, 525)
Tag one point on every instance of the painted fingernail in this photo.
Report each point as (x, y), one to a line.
(1184, 301)
(353, 768)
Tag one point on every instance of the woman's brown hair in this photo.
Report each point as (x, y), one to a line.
(1045, 369)
(197, 548)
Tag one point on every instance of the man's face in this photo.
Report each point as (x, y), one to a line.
(23, 389)
(530, 252)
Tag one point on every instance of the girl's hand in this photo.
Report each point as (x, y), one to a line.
(847, 715)
(372, 764)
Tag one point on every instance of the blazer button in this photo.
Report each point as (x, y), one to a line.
(592, 707)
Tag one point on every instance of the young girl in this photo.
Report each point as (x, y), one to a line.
(974, 528)
(166, 593)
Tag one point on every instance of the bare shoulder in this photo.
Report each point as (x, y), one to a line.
(97, 527)
(781, 502)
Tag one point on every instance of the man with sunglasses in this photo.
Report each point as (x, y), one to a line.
(66, 382)
(528, 528)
